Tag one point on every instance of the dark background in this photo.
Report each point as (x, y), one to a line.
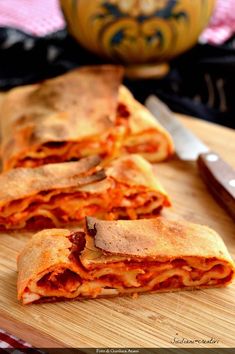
(200, 83)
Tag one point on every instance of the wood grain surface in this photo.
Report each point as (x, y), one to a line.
(150, 320)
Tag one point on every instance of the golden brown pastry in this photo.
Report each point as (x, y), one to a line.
(122, 257)
(146, 136)
(81, 113)
(55, 194)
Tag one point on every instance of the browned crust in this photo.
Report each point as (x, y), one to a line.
(79, 104)
(47, 248)
(77, 107)
(132, 170)
(56, 249)
(156, 238)
(142, 121)
(22, 182)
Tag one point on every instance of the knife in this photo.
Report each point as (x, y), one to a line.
(216, 173)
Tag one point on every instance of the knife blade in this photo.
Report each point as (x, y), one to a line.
(216, 173)
(187, 145)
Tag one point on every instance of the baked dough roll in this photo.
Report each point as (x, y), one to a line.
(81, 113)
(122, 257)
(54, 195)
(146, 136)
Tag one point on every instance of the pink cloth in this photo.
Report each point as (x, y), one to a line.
(41, 17)
(38, 17)
(222, 24)
(8, 341)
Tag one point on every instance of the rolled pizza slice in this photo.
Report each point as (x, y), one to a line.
(81, 113)
(145, 134)
(61, 119)
(122, 257)
(57, 194)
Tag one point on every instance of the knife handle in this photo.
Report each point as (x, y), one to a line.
(220, 180)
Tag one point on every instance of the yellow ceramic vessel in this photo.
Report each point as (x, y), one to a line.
(137, 31)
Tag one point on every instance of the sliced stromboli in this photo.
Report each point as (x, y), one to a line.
(146, 136)
(78, 114)
(68, 117)
(122, 257)
(56, 194)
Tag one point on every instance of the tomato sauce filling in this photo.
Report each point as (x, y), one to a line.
(70, 281)
(74, 150)
(78, 240)
(42, 202)
(143, 148)
(39, 222)
(65, 280)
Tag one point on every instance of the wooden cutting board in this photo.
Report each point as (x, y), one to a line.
(157, 320)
